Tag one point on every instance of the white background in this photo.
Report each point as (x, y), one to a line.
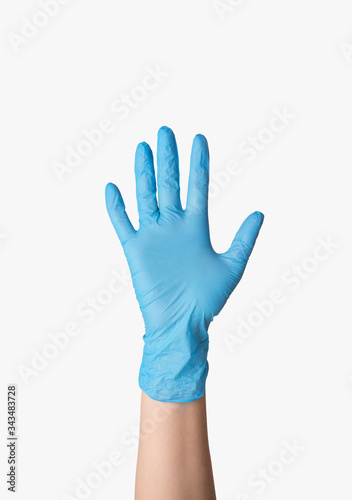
(290, 379)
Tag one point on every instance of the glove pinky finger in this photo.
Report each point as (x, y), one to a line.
(117, 213)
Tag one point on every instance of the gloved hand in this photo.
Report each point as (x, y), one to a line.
(181, 283)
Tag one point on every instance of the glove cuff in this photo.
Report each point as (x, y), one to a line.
(172, 375)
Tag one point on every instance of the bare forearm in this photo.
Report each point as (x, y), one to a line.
(173, 457)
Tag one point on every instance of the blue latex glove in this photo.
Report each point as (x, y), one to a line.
(181, 283)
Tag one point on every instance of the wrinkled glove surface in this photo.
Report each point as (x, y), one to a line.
(180, 282)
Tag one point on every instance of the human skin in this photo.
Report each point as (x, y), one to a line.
(173, 457)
